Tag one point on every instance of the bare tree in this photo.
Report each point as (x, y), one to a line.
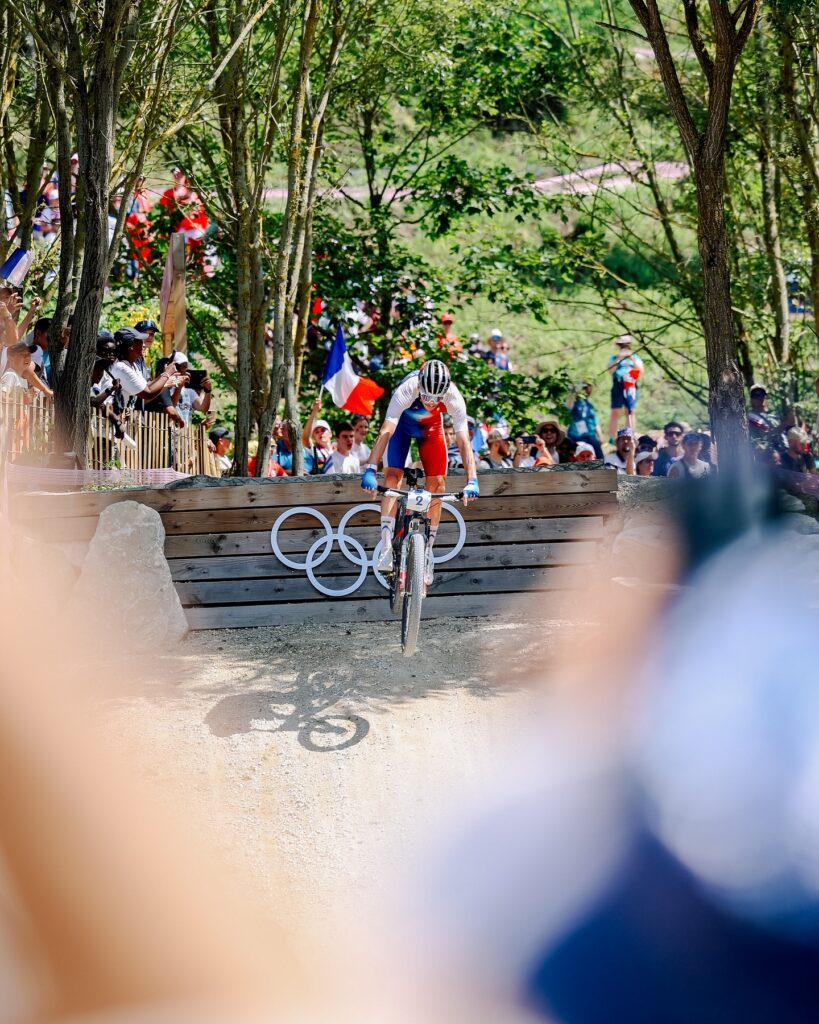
(705, 145)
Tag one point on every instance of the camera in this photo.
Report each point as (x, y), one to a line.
(528, 438)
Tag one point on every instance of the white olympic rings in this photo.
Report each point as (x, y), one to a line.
(358, 556)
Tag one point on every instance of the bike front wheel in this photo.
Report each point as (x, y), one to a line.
(413, 595)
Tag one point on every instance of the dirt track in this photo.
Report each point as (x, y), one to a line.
(321, 754)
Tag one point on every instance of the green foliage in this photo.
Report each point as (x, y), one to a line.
(490, 394)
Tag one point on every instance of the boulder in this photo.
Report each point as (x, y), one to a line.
(125, 586)
(799, 523)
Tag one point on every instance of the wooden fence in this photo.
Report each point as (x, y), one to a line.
(529, 531)
(27, 434)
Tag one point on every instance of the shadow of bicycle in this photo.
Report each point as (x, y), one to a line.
(309, 699)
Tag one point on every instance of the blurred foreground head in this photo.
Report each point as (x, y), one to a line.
(659, 861)
(110, 908)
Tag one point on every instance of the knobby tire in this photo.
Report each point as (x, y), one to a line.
(414, 594)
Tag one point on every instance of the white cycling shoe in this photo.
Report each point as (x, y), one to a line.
(429, 568)
(385, 559)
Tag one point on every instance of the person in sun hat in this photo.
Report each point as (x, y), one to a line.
(551, 432)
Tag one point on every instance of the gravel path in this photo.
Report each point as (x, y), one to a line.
(320, 757)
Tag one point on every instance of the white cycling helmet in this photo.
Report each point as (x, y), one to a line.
(433, 380)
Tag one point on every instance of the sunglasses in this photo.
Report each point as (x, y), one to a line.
(548, 430)
(673, 433)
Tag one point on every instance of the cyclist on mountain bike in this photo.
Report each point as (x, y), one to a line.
(416, 410)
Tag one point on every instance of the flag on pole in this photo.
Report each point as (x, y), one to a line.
(16, 266)
(348, 390)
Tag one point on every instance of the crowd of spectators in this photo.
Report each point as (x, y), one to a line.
(122, 383)
(180, 203)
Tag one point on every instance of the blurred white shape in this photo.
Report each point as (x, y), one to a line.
(726, 746)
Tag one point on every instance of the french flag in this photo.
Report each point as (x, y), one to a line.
(16, 266)
(348, 390)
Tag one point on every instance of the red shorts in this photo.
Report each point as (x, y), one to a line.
(431, 448)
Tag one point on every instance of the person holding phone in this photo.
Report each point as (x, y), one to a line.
(193, 394)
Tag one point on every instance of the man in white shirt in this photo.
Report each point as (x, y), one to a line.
(343, 460)
(18, 364)
(622, 458)
(361, 427)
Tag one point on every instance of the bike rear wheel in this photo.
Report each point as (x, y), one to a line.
(414, 594)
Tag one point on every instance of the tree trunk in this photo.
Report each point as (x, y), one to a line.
(65, 294)
(243, 329)
(726, 401)
(96, 94)
(95, 148)
(773, 251)
(282, 300)
(802, 129)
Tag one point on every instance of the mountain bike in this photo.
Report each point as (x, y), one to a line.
(409, 549)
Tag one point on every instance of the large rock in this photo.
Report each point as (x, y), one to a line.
(125, 585)
(799, 523)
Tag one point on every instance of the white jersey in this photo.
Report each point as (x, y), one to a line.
(408, 395)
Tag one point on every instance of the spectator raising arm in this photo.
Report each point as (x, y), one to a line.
(36, 384)
(131, 379)
(28, 319)
(8, 328)
(307, 431)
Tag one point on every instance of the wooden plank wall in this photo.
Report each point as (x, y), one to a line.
(529, 531)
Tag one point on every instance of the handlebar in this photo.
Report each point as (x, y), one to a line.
(393, 492)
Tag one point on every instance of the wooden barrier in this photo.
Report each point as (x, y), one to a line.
(529, 531)
(27, 435)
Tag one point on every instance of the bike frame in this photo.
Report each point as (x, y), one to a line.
(411, 517)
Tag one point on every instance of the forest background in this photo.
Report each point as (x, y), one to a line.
(386, 154)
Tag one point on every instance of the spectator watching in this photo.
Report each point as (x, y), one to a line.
(584, 452)
(448, 341)
(342, 460)
(622, 458)
(584, 425)
(644, 462)
(361, 427)
(221, 439)
(37, 341)
(14, 381)
(103, 385)
(453, 453)
(760, 422)
(150, 327)
(181, 403)
(673, 450)
(315, 437)
(551, 433)
(498, 454)
(690, 465)
(530, 449)
(625, 369)
(796, 458)
(128, 369)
